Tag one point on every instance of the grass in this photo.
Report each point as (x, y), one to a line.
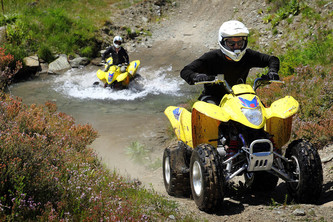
(66, 26)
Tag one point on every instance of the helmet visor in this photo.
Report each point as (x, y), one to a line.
(234, 43)
(117, 42)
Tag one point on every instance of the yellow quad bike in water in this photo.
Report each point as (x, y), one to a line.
(240, 136)
(118, 76)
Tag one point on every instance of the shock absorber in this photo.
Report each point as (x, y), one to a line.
(233, 147)
(275, 149)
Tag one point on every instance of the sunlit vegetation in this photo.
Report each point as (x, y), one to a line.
(47, 170)
(47, 26)
(8, 68)
(48, 173)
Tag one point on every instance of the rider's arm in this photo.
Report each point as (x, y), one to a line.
(198, 66)
(126, 57)
(106, 53)
(264, 60)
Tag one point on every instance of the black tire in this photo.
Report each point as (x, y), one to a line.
(260, 181)
(176, 181)
(206, 176)
(307, 169)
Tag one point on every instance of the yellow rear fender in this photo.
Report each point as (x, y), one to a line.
(282, 108)
(180, 120)
(133, 67)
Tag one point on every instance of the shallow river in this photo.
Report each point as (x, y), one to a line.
(120, 117)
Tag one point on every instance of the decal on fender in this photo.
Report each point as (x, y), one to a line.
(176, 113)
(250, 104)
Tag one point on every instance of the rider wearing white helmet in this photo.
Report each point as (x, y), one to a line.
(233, 59)
(118, 53)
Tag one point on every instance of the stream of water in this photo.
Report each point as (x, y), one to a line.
(120, 117)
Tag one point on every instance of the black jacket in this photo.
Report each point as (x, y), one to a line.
(215, 62)
(118, 58)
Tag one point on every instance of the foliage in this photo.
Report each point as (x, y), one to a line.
(8, 68)
(314, 52)
(312, 87)
(47, 173)
(281, 10)
(45, 53)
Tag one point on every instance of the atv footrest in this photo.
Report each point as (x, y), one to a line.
(260, 155)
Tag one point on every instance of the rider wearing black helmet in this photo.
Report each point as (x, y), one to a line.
(233, 59)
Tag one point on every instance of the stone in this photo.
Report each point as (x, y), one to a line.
(59, 64)
(31, 61)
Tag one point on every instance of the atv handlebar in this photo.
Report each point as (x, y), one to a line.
(257, 82)
(260, 81)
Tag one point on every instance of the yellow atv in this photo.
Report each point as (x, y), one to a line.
(240, 136)
(118, 76)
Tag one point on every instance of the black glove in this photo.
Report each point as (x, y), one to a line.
(273, 76)
(199, 77)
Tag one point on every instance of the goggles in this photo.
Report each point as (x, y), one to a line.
(118, 42)
(231, 43)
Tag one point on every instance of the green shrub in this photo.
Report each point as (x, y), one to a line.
(316, 52)
(87, 52)
(45, 53)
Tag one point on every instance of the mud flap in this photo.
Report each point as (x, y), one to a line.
(180, 157)
(280, 129)
(204, 129)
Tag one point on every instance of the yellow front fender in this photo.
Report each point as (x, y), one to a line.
(102, 75)
(122, 76)
(282, 108)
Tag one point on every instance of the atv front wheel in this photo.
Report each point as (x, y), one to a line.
(176, 181)
(306, 169)
(206, 176)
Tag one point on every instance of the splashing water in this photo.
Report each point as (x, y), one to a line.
(79, 84)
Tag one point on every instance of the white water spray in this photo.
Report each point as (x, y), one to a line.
(79, 84)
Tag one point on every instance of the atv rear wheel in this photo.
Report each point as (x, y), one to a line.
(206, 176)
(260, 181)
(306, 169)
(176, 181)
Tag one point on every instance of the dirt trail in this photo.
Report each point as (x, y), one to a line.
(185, 33)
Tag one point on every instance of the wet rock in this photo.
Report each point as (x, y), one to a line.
(79, 61)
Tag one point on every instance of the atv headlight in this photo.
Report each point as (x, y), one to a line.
(254, 116)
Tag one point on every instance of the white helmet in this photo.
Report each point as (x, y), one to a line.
(230, 29)
(117, 40)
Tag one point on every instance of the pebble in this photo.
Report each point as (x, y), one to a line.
(299, 212)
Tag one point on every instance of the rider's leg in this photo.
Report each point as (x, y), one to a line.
(208, 99)
(107, 67)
